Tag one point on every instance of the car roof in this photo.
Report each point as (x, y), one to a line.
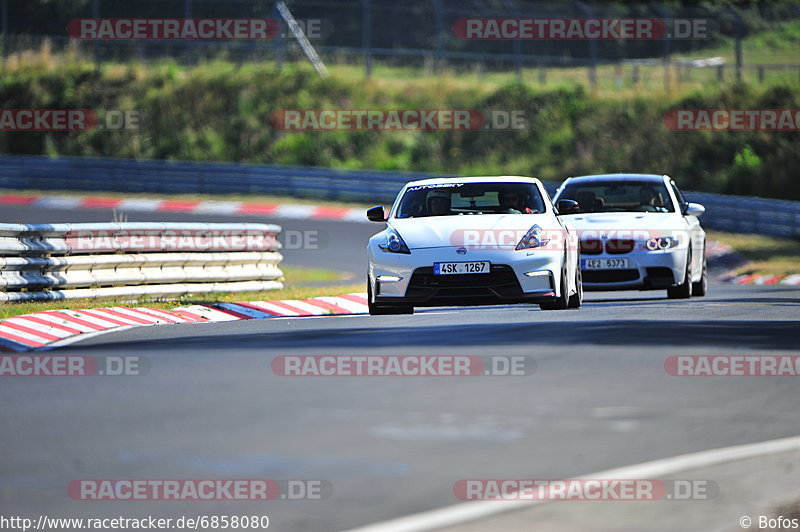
(477, 179)
(618, 177)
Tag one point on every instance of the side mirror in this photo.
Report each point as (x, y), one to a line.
(693, 209)
(375, 214)
(568, 206)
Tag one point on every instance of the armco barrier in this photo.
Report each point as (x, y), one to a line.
(65, 261)
(743, 214)
(727, 213)
(172, 177)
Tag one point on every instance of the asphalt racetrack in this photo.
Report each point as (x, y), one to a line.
(209, 405)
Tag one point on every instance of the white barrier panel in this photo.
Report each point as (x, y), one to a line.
(62, 261)
(65, 239)
(167, 290)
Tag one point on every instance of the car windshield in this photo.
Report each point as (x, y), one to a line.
(452, 199)
(619, 196)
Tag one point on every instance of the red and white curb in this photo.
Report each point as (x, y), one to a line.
(716, 249)
(228, 208)
(53, 328)
(761, 279)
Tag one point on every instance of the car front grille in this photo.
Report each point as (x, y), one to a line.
(501, 280)
(591, 247)
(619, 246)
(614, 246)
(609, 276)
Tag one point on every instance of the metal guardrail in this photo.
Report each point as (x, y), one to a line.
(67, 261)
(747, 214)
(170, 177)
(740, 214)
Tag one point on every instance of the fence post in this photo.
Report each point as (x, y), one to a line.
(721, 73)
(4, 25)
(665, 46)
(738, 26)
(95, 14)
(366, 36)
(187, 13)
(439, 30)
(516, 45)
(586, 10)
(761, 73)
(479, 69)
(428, 64)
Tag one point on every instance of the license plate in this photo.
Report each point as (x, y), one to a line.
(452, 268)
(604, 264)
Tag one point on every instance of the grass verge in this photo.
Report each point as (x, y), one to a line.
(293, 279)
(767, 255)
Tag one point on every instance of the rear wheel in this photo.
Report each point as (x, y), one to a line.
(683, 290)
(383, 310)
(576, 299)
(562, 301)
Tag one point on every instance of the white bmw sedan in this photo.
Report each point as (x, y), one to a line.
(472, 241)
(637, 232)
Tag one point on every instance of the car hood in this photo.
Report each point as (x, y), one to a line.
(447, 231)
(626, 222)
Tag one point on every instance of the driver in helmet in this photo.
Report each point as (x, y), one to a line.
(511, 203)
(438, 204)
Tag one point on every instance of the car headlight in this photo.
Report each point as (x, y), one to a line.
(534, 238)
(662, 243)
(394, 243)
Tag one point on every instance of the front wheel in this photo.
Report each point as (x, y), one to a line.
(576, 299)
(383, 310)
(700, 288)
(561, 302)
(683, 290)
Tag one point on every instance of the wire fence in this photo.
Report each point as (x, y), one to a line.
(422, 38)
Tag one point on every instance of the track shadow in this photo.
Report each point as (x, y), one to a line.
(733, 334)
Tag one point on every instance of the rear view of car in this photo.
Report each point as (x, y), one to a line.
(637, 232)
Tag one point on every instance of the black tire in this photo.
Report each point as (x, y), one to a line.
(700, 288)
(562, 301)
(384, 310)
(683, 290)
(576, 299)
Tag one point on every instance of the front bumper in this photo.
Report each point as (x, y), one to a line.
(648, 270)
(506, 282)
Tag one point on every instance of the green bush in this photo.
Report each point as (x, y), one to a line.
(221, 112)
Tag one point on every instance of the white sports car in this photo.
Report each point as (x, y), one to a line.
(472, 241)
(637, 232)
